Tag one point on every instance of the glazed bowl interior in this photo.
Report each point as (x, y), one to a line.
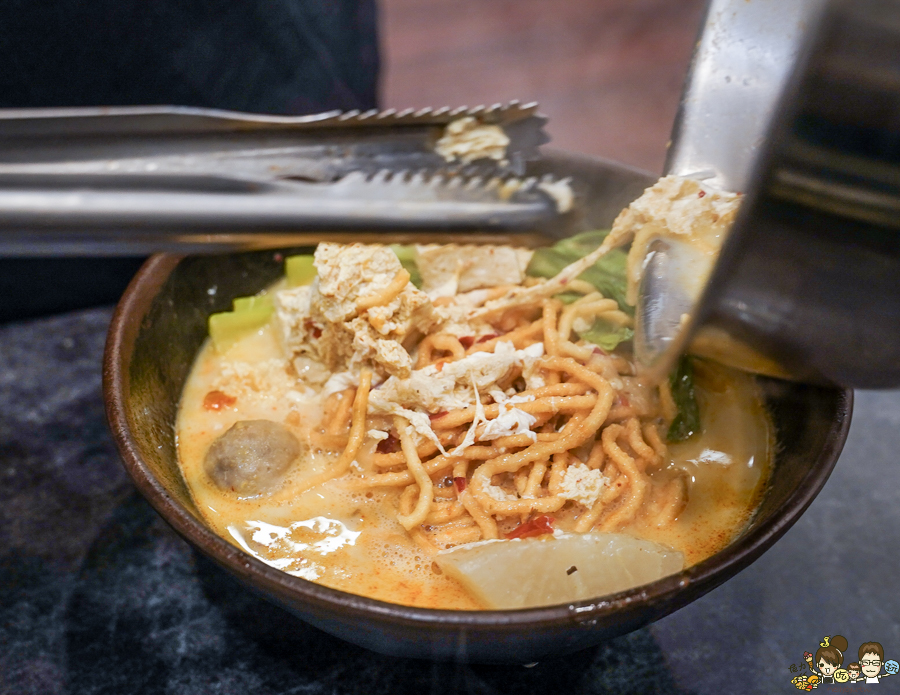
(158, 329)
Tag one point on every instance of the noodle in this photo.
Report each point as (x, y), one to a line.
(426, 488)
(637, 443)
(485, 522)
(442, 342)
(342, 414)
(651, 436)
(355, 440)
(535, 478)
(520, 474)
(520, 337)
(637, 482)
(551, 335)
(447, 511)
(557, 471)
(668, 501)
(597, 456)
(549, 404)
(385, 296)
(432, 466)
(589, 305)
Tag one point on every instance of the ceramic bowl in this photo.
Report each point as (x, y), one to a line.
(160, 325)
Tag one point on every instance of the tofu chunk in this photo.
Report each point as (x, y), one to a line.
(448, 269)
(324, 331)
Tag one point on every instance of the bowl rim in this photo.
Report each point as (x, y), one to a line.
(673, 591)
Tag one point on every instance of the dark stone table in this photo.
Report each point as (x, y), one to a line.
(97, 595)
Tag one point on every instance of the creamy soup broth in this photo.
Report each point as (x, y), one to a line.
(348, 538)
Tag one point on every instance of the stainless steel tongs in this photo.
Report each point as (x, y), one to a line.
(797, 104)
(137, 179)
(741, 64)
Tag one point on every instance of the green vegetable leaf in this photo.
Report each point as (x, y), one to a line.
(255, 302)
(227, 327)
(607, 274)
(568, 297)
(406, 254)
(606, 335)
(687, 420)
(299, 270)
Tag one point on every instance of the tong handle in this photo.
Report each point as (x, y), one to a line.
(742, 63)
(123, 180)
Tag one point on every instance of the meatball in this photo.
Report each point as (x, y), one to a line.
(252, 457)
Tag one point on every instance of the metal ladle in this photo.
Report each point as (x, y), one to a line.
(798, 105)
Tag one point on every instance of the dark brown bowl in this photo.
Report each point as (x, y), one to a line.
(157, 331)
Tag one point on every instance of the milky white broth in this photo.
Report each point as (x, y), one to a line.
(348, 538)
